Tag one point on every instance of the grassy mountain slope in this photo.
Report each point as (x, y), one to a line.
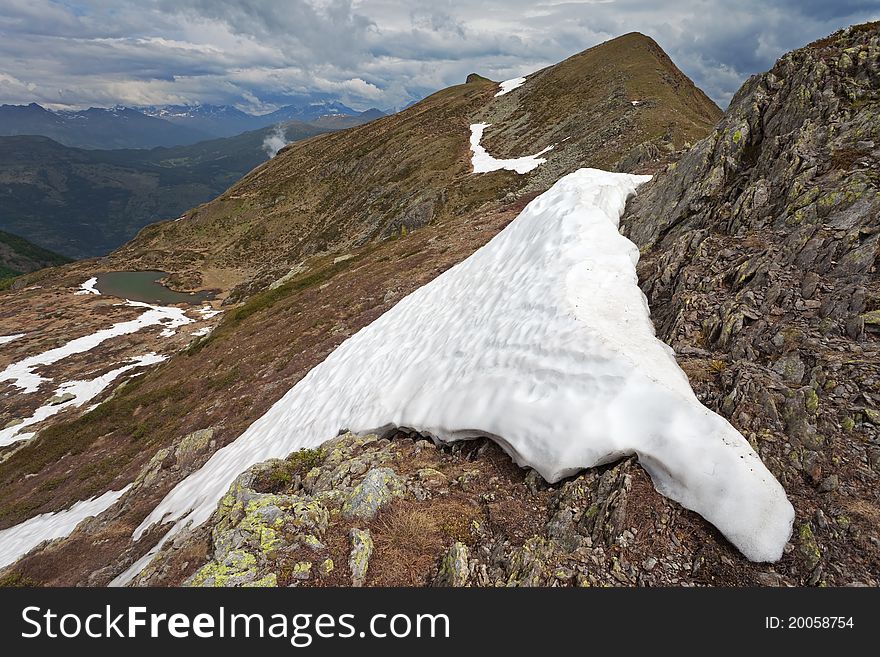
(587, 100)
(18, 256)
(401, 172)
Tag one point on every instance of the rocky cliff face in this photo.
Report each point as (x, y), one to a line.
(759, 265)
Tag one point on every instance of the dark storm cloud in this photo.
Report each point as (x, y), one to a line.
(258, 53)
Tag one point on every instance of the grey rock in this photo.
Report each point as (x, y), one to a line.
(790, 367)
(359, 559)
(379, 487)
(60, 399)
(453, 567)
(829, 483)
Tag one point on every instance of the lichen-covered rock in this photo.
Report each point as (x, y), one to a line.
(166, 462)
(379, 487)
(301, 570)
(237, 568)
(361, 551)
(195, 442)
(453, 567)
(808, 547)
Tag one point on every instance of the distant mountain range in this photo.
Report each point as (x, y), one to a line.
(119, 127)
(226, 121)
(83, 183)
(83, 203)
(168, 125)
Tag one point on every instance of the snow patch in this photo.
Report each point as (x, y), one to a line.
(82, 391)
(484, 163)
(22, 538)
(542, 340)
(22, 374)
(5, 339)
(88, 287)
(509, 85)
(208, 312)
(205, 330)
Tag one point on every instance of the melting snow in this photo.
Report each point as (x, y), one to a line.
(88, 287)
(542, 340)
(22, 374)
(82, 391)
(9, 338)
(208, 312)
(509, 85)
(484, 163)
(22, 538)
(134, 569)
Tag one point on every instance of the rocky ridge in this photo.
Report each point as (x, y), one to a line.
(400, 511)
(759, 264)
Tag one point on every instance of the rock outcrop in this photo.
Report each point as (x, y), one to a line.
(759, 264)
(464, 515)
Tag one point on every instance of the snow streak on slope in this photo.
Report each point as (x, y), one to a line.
(543, 341)
(509, 85)
(22, 374)
(9, 338)
(82, 391)
(21, 539)
(484, 163)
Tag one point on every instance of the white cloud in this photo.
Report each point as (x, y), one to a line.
(258, 53)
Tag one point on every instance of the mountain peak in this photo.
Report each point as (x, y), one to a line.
(419, 158)
(476, 77)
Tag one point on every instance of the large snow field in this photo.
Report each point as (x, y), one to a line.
(543, 341)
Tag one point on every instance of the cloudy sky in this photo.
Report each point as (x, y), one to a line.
(259, 54)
